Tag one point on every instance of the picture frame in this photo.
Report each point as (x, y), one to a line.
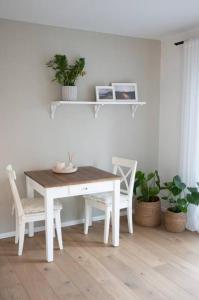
(105, 93)
(125, 91)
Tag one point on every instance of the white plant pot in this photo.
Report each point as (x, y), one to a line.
(69, 93)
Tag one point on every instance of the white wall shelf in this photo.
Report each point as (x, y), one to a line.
(97, 105)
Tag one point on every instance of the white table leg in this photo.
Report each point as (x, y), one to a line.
(49, 205)
(116, 213)
(30, 194)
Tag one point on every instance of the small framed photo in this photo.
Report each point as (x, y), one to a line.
(125, 91)
(105, 93)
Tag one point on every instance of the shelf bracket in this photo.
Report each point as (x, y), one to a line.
(133, 110)
(53, 109)
(96, 110)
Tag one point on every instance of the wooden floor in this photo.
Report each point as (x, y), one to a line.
(151, 264)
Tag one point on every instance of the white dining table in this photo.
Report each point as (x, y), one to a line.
(87, 180)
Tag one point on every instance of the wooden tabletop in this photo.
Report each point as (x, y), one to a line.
(49, 179)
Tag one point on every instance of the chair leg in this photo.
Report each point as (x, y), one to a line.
(21, 237)
(90, 216)
(17, 230)
(31, 229)
(130, 220)
(87, 217)
(54, 226)
(58, 229)
(106, 225)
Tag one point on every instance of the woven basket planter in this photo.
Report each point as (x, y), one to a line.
(148, 213)
(175, 222)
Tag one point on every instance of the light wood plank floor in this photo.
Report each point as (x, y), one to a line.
(151, 264)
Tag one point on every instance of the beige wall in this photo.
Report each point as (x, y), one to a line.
(31, 140)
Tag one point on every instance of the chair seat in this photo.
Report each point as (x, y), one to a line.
(106, 199)
(36, 205)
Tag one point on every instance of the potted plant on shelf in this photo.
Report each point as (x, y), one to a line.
(147, 206)
(179, 197)
(66, 74)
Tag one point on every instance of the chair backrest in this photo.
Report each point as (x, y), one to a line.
(17, 201)
(126, 168)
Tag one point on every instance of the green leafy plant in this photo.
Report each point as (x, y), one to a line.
(179, 196)
(147, 186)
(66, 74)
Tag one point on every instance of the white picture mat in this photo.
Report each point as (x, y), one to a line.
(100, 90)
(125, 87)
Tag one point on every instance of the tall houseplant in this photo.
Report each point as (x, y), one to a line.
(66, 74)
(147, 207)
(178, 196)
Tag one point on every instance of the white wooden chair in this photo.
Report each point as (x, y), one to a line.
(103, 201)
(29, 210)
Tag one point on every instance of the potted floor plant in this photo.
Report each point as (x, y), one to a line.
(66, 74)
(178, 196)
(147, 206)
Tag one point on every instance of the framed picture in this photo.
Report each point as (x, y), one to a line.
(125, 91)
(105, 93)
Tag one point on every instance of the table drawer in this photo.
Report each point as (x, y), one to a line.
(90, 188)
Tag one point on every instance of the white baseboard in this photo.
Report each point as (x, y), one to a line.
(64, 224)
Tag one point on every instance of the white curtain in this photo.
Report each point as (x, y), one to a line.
(189, 146)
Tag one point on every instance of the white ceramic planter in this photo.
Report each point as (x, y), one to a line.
(69, 93)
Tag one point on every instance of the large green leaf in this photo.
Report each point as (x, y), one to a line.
(139, 178)
(192, 189)
(175, 191)
(136, 185)
(182, 204)
(153, 191)
(157, 178)
(178, 183)
(144, 190)
(139, 175)
(193, 198)
(150, 176)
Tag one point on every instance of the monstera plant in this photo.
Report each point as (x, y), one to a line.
(178, 197)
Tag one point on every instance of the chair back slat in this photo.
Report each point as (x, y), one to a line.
(17, 201)
(126, 168)
(124, 191)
